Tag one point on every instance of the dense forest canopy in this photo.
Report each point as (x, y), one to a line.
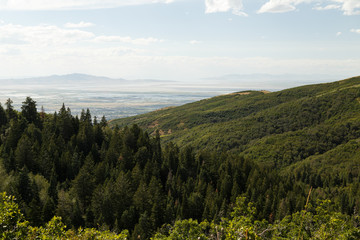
(126, 178)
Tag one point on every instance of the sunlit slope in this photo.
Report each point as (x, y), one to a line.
(278, 128)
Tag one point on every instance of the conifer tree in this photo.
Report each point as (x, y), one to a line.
(3, 117)
(29, 111)
(10, 112)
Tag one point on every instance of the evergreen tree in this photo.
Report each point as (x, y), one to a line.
(10, 112)
(29, 111)
(33, 212)
(3, 117)
(24, 155)
(143, 230)
(23, 186)
(65, 123)
(84, 183)
(103, 122)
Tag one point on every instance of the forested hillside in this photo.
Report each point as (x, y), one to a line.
(238, 121)
(268, 148)
(309, 133)
(94, 176)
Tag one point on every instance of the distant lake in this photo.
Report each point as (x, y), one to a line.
(118, 102)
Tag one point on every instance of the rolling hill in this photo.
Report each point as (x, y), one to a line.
(275, 128)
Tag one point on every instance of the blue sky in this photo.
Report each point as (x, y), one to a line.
(182, 40)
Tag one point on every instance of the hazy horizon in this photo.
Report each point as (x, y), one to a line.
(181, 40)
(116, 98)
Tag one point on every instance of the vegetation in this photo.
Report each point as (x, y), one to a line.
(14, 226)
(237, 166)
(242, 122)
(312, 223)
(310, 134)
(319, 222)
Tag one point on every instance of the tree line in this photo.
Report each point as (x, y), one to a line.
(91, 175)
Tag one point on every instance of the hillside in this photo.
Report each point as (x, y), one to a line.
(278, 128)
(263, 149)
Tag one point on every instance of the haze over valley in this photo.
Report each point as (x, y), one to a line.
(113, 98)
(117, 98)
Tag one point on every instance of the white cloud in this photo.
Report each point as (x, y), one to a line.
(136, 41)
(42, 35)
(281, 6)
(79, 25)
(53, 36)
(8, 50)
(235, 6)
(95, 52)
(338, 34)
(193, 42)
(327, 7)
(355, 31)
(276, 6)
(349, 7)
(46, 48)
(30, 5)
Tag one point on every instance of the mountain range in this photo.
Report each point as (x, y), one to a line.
(230, 81)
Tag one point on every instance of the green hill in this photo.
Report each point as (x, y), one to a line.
(279, 128)
(309, 135)
(267, 150)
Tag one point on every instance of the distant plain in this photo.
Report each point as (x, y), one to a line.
(114, 100)
(118, 98)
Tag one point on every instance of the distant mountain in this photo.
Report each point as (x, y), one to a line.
(76, 78)
(279, 128)
(230, 81)
(272, 81)
(279, 77)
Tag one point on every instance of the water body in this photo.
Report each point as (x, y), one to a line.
(115, 103)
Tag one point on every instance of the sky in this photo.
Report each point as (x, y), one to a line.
(181, 40)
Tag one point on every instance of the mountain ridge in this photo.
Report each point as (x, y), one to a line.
(75, 78)
(245, 123)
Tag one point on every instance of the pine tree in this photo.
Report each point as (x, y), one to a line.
(29, 111)
(84, 183)
(10, 112)
(143, 230)
(103, 122)
(3, 118)
(24, 155)
(33, 212)
(48, 210)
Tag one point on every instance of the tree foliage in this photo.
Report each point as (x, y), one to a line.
(14, 226)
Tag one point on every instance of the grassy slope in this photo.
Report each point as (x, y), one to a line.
(279, 128)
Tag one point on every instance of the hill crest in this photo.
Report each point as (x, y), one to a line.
(240, 121)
